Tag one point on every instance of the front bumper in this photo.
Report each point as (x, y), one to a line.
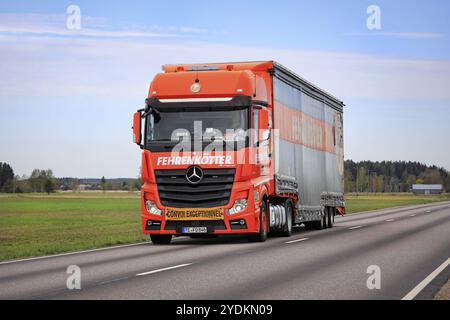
(244, 222)
(230, 224)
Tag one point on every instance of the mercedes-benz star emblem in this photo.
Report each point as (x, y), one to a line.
(194, 174)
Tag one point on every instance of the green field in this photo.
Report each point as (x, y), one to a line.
(34, 225)
(37, 224)
(364, 202)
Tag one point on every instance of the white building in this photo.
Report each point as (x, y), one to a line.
(427, 189)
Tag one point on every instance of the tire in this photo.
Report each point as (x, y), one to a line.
(161, 238)
(330, 220)
(322, 223)
(287, 229)
(261, 236)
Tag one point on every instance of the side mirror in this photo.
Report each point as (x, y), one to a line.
(137, 135)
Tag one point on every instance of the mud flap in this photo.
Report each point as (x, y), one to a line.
(341, 210)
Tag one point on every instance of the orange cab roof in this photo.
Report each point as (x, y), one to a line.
(224, 66)
(213, 80)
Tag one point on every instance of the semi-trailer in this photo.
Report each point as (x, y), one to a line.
(238, 148)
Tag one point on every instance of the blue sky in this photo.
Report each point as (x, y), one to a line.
(67, 96)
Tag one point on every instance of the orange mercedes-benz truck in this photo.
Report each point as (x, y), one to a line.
(238, 148)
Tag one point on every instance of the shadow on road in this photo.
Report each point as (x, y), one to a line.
(221, 239)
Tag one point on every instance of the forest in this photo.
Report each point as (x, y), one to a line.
(391, 176)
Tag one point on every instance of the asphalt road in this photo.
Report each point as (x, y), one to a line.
(407, 244)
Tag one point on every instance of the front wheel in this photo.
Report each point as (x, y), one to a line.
(260, 236)
(161, 238)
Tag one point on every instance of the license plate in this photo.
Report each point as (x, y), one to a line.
(194, 214)
(195, 230)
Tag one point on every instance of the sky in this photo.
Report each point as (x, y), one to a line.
(67, 95)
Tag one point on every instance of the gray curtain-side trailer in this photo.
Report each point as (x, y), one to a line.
(309, 148)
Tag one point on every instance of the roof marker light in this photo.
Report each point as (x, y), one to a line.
(203, 68)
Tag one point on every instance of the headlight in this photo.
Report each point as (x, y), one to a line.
(238, 206)
(152, 207)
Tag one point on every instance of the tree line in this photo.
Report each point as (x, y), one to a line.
(103, 184)
(41, 181)
(364, 176)
(391, 176)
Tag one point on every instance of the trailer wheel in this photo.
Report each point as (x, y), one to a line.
(330, 219)
(261, 236)
(287, 229)
(322, 223)
(161, 238)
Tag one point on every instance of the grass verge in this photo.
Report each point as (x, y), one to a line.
(366, 202)
(35, 225)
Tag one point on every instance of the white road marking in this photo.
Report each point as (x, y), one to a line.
(428, 211)
(76, 252)
(412, 215)
(355, 227)
(297, 240)
(163, 269)
(414, 292)
(389, 220)
(113, 280)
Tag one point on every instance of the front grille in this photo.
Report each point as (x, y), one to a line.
(177, 192)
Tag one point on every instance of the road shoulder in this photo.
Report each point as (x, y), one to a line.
(444, 293)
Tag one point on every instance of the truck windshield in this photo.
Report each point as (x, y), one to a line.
(197, 123)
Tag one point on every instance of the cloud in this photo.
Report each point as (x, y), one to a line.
(410, 35)
(185, 29)
(55, 25)
(116, 67)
